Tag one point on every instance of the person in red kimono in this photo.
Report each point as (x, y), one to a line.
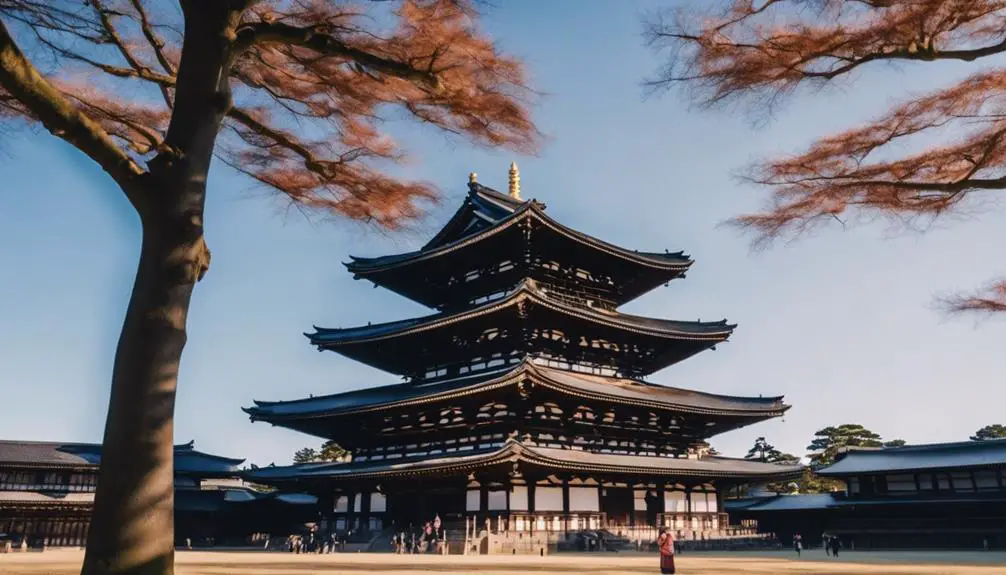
(666, 545)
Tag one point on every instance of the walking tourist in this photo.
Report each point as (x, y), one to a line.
(836, 544)
(826, 543)
(797, 543)
(666, 545)
(429, 538)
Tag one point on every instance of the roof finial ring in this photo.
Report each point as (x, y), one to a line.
(514, 181)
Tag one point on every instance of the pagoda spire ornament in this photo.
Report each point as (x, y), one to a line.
(514, 181)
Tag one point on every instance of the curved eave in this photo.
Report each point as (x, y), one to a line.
(715, 332)
(513, 451)
(672, 262)
(459, 464)
(527, 371)
(536, 456)
(661, 405)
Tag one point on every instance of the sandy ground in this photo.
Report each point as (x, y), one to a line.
(65, 562)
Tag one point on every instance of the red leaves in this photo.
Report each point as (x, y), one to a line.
(312, 82)
(772, 49)
(320, 67)
(992, 299)
(836, 173)
(762, 51)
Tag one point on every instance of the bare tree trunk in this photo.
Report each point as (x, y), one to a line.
(132, 528)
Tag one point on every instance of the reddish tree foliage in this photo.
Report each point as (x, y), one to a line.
(761, 51)
(290, 92)
(310, 82)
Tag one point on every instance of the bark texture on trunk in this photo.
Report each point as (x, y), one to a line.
(132, 528)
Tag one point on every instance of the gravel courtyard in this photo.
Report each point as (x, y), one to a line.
(67, 562)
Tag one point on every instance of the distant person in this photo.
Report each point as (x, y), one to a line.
(797, 543)
(836, 544)
(429, 538)
(826, 543)
(665, 543)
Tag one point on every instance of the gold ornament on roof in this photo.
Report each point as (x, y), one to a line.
(514, 181)
(473, 178)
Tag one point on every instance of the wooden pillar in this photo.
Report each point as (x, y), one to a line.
(365, 509)
(326, 501)
(600, 505)
(565, 505)
(632, 491)
(351, 508)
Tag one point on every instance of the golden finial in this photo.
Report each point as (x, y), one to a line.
(473, 178)
(514, 181)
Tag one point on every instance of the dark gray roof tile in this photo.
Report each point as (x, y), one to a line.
(574, 383)
(552, 458)
(51, 453)
(958, 455)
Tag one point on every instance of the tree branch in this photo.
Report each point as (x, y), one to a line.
(156, 43)
(314, 38)
(134, 63)
(277, 136)
(990, 300)
(750, 50)
(63, 119)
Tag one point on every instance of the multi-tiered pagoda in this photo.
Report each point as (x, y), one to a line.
(523, 397)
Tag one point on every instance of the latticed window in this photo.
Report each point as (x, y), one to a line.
(901, 484)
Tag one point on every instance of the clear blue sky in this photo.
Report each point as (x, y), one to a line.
(840, 323)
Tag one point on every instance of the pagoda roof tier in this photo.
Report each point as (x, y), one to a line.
(525, 321)
(493, 241)
(581, 408)
(520, 454)
(613, 390)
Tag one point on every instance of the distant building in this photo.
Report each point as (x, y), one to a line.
(524, 400)
(47, 495)
(935, 496)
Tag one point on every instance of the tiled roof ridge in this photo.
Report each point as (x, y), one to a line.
(924, 446)
(614, 386)
(94, 449)
(514, 450)
(528, 288)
